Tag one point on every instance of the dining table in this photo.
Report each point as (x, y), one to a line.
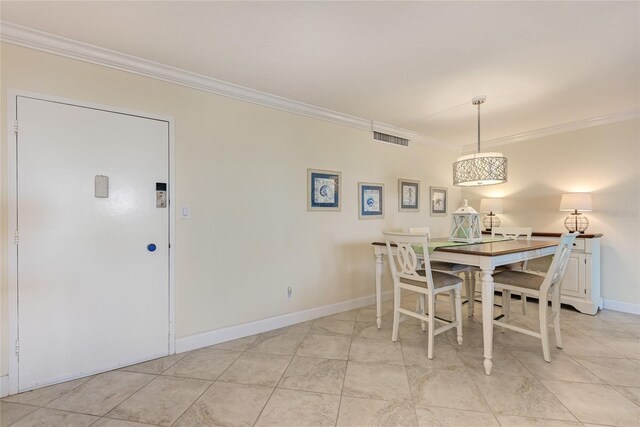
(485, 255)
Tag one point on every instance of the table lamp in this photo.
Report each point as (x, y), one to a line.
(576, 203)
(491, 207)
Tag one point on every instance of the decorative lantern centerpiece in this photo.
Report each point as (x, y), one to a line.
(465, 225)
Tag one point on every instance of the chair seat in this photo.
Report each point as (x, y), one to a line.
(440, 280)
(448, 266)
(519, 279)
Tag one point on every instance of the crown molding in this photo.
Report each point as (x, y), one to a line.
(553, 130)
(73, 49)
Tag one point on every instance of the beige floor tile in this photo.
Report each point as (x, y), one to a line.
(300, 409)
(240, 344)
(631, 393)
(513, 421)
(370, 330)
(110, 422)
(313, 374)
(578, 344)
(628, 347)
(376, 381)
(302, 328)
(332, 327)
(375, 351)
(161, 401)
(613, 371)
(325, 346)
(156, 366)
(561, 368)
(521, 396)
(452, 388)
(444, 355)
(612, 408)
(257, 368)
(379, 413)
(227, 404)
(368, 314)
(101, 393)
(54, 418)
(619, 317)
(594, 326)
(632, 328)
(504, 363)
(12, 412)
(446, 417)
(45, 395)
(283, 343)
(204, 364)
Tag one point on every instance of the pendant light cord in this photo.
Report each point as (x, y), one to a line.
(479, 127)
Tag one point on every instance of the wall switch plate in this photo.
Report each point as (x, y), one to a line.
(185, 213)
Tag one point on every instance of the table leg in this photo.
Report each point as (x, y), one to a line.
(379, 266)
(487, 318)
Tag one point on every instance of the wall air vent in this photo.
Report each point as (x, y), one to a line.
(383, 137)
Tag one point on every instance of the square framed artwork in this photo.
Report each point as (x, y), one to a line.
(370, 200)
(408, 195)
(323, 190)
(439, 200)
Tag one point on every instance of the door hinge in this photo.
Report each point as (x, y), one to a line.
(15, 127)
(16, 238)
(17, 346)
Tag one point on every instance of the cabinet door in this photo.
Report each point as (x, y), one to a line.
(573, 281)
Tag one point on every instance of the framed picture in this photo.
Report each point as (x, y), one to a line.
(370, 200)
(408, 195)
(323, 190)
(438, 201)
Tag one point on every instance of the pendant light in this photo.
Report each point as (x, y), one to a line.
(480, 168)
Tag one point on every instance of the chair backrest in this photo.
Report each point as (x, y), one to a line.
(403, 259)
(512, 232)
(560, 261)
(421, 230)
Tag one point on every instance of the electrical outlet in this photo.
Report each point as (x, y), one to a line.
(289, 292)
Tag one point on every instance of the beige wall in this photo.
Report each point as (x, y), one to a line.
(242, 170)
(603, 160)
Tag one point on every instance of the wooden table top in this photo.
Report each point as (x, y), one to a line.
(490, 249)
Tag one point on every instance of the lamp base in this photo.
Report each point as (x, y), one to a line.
(490, 221)
(576, 222)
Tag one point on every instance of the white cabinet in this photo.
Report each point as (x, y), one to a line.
(581, 283)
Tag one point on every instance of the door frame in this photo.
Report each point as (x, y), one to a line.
(12, 216)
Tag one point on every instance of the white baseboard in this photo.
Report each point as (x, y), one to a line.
(216, 336)
(4, 385)
(624, 307)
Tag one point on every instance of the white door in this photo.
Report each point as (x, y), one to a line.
(92, 296)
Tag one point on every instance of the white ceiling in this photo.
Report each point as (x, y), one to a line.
(415, 65)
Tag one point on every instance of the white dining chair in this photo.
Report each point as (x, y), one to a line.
(453, 268)
(545, 287)
(407, 275)
(514, 233)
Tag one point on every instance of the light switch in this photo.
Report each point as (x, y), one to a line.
(186, 212)
(101, 186)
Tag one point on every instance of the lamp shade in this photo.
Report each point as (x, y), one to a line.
(576, 201)
(491, 205)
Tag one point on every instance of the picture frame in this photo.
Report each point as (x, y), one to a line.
(324, 190)
(370, 200)
(438, 197)
(408, 195)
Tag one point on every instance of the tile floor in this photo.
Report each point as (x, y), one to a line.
(343, 371)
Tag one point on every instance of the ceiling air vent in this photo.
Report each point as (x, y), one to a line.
(383, 137)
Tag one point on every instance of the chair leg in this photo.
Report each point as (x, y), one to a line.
(523, 297)
(555, 307)
(431, 301)
(506, 306)
(422, 303)
(544, 331)
(396, 313)
(458, 313)
(452, 301)
(471, 291)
